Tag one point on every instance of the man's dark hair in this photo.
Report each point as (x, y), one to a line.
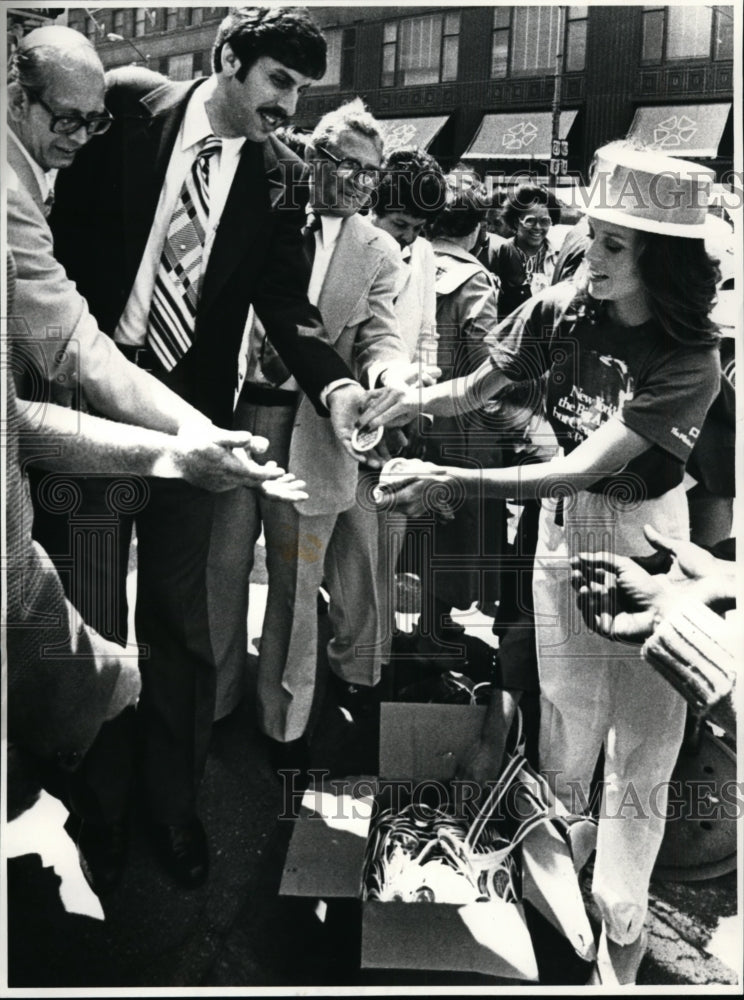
(466, 208)
(412, 182)
(287, 34)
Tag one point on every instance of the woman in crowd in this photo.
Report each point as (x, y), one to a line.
(632, 366)
(524, 263)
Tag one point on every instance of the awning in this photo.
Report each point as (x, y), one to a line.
(521, 136)
(681, 129)
(412, 131)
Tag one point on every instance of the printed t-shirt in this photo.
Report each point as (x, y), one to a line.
(598, 369)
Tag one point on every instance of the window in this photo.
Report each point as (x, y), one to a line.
(140, 21)
(181, 67)
(575, 50)
(653, 34)
(421, 50)
(671, 33)
(91, 27)
(688, 32)
(389, 47)
(535, 37)
(119, 22)
(500, 43)
(341, 54)
(525, 40)
(171, 19)
(723, 38)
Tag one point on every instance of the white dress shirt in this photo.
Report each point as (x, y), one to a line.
(194, 130)
(326, 239)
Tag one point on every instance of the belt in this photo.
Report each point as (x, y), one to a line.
(142, 356)
(267, 395)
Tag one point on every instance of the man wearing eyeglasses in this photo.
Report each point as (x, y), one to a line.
(356, 276)
(59, 354)
(172, 224)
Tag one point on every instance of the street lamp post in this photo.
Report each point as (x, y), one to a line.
(555, 136)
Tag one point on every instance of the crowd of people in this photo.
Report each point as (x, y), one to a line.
(217, 332)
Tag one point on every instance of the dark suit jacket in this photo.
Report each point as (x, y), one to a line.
(104, 209)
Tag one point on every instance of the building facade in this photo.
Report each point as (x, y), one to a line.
(477, 84)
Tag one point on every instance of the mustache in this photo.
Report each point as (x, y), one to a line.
(275, 112)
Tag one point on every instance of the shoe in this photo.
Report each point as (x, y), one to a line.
(183, 851)
(102, 850)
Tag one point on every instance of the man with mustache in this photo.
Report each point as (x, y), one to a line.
(183, 216)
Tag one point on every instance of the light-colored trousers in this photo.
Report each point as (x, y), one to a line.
(595, 692)
(339, 550)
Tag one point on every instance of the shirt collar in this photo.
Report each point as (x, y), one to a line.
(196, 125)
(45, 179)
(330, 228)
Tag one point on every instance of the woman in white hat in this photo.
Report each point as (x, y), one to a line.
(631, 366)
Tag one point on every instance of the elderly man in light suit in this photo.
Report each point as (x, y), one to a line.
(355, 279)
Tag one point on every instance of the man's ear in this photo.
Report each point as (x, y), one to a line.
(18, 102)
(230, 62)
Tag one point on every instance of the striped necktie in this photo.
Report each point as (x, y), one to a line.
(170, 328)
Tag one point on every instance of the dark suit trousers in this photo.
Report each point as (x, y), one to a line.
(89, 541)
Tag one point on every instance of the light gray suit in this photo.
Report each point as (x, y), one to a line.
(305, 544)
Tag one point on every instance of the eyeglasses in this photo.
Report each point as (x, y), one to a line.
(94, 124)
(533, 222)
(347, 168)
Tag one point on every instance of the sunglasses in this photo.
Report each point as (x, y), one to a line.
(94, 124)
(532, 222)
(347, 168)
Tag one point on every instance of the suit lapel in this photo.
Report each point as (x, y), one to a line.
(148, 141)
(243, 219)
(351, 266)
(22, 168)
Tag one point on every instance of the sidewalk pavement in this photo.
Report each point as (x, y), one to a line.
(237, 932)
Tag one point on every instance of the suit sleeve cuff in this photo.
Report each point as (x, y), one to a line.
(325, 393)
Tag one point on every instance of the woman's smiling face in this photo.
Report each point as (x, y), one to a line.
(612, 262)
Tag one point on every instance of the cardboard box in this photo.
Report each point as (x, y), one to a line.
(422, 743)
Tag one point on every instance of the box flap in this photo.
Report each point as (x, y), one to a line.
(425, 742)
(549, 882)
(326, 853)
(488, 938)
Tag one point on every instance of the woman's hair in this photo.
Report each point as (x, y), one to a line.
(412, 182)
(520, 198)
(465, 209)
(680, 279)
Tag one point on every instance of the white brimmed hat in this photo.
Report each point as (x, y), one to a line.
(643, 189)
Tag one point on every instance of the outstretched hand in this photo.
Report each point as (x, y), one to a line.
(215, 459)
(411, 485)
(618, 598)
